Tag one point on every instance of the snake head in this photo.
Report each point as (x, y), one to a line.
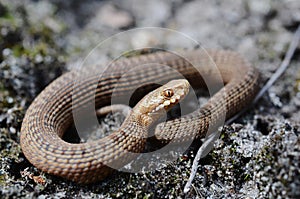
(162, 99)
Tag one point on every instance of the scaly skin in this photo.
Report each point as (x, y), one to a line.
(50, 114)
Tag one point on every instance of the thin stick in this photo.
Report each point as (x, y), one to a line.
(285, 63)
(208, 142)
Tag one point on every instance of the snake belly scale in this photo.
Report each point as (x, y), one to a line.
(50, 114)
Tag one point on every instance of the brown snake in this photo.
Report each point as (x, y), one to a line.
(50, 114)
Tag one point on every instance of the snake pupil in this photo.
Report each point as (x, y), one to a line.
(168, 92)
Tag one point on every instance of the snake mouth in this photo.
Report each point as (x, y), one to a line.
(169, 103)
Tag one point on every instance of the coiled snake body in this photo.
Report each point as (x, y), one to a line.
(50, 114)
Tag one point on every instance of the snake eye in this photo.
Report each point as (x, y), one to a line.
(168, 93)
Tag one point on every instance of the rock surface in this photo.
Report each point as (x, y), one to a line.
(256, 157)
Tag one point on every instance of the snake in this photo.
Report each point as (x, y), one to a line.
(50, 114)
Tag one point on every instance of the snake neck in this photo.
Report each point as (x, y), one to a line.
(137, 115)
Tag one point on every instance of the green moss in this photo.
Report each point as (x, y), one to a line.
(247, 177)
(5, 14)
(297, 84)
(3, 178)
